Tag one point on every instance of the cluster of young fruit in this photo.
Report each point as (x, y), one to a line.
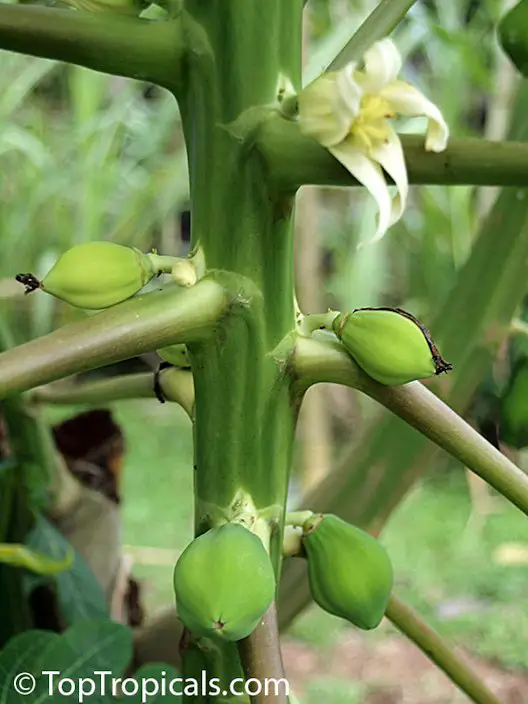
(224, 580)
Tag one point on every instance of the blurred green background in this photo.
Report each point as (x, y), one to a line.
(84, 156)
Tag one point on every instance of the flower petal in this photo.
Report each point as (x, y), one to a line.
(370, 175)
(349, 92)
(407, 100)
(382, 65)
(322, 116)
(390, 157)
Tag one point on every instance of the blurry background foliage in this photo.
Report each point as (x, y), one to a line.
(84, 157)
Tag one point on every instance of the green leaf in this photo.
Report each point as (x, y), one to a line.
(80, 595)
(20, 655)
(18, 555)
(85, 648)
(155, 679)
(513, 36)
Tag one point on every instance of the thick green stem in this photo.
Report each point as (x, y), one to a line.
(295, 160)
(107, 42)
(408, 621)
(381, 21)
(244, 415)
(175, 384)
(317, 361)
(260, 654)
(142, 324)
(244, 419)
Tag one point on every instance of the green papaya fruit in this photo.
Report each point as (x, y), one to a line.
(224, 582)
(513, 408)
(349, 571)
(513, 35)
(95, 275)
(389, 344)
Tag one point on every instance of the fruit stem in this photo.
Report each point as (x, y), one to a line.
(163, 263)
(307, 324)
(292, 542)
(431, 643)
(260, 654)
(176, 386)
(297, 518)
(316, 361)
(141, 324)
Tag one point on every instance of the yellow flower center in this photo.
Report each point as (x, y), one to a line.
(369, 127)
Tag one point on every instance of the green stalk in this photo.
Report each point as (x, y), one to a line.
(244, 415)
(373, 477)
(261, 653)
(408, 621)
(381, 21)
(176, 386)
(317, 361)
(142, 324)
(107, 42)
(295, 160)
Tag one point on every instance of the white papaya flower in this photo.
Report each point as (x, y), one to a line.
(348, 112)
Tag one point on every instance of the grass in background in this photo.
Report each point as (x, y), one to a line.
(157, 506)
(449, 568)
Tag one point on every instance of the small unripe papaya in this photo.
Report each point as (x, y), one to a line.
(349, 571)
(389, 344)
(224, 582)
(95, 275)
(513, 35)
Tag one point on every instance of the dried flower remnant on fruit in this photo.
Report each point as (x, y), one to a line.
(349, 111)
(30, 282)
(390, 345)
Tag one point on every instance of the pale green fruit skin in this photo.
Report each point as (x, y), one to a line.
(389, 347)
(226, 576)
(349, 571)
(98, 275)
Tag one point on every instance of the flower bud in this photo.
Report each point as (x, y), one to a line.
(95, 275)
(183, 273)
(349, 571)
(389, 344)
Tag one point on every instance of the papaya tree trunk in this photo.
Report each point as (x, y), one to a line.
(244, 412)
